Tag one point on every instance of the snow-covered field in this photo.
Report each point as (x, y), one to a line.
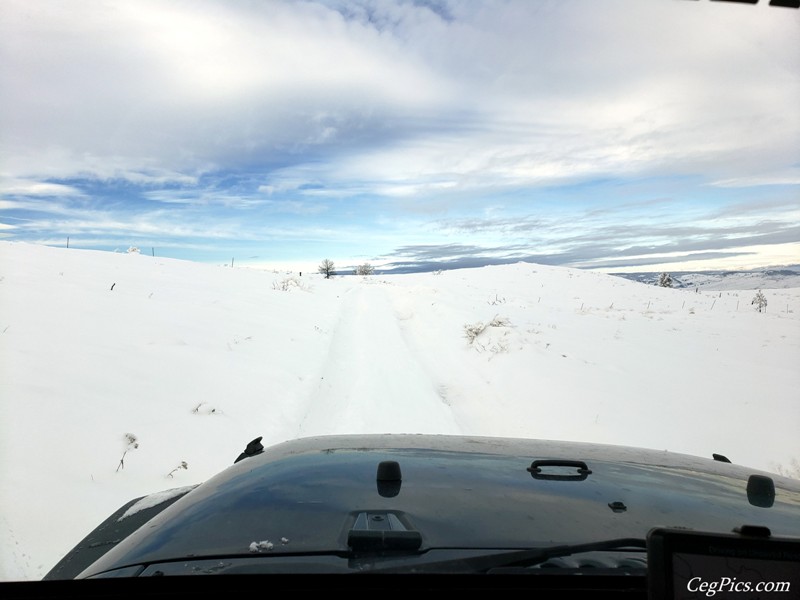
(195, 360)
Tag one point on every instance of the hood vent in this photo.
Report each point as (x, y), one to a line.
(378, 531)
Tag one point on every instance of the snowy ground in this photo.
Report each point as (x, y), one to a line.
(196, 360)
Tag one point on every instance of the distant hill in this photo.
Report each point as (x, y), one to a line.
(768, 278)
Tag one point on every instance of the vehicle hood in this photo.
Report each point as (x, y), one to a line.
(305, 496)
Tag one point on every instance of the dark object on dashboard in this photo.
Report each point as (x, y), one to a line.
(753, 531)
(697, 564)
(782, 3)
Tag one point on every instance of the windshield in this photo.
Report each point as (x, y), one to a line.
(554, 220)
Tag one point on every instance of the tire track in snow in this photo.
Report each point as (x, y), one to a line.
(372, 382)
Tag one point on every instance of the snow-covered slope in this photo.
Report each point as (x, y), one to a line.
(196, 360)
(772, 278)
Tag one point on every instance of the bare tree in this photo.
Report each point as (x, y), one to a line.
(365, 269)
(326, 268)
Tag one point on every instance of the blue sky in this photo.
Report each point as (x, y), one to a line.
(612, 134)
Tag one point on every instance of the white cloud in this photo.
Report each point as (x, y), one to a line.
(190, 86)
(24, 187)
(785, 178)
(119, 88)
(429, 107)
(744, 257)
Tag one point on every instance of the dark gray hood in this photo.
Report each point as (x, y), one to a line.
(306, 495)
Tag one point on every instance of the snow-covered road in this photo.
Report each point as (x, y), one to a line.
(373, 380)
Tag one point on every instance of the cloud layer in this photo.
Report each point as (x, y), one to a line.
(399, 123)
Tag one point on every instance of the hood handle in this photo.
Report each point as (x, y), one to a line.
(583, 471)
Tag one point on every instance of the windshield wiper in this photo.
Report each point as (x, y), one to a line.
(513, 558)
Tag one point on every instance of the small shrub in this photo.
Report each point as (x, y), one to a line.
(183, 465)
(472, 331)
(499, 322)
(209, 410)
(760, 302)
(365, 269)
(287, 284)
(793, 470)
(132, 444)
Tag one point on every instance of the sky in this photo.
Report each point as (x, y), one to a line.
(195, 360)
(415, 135)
